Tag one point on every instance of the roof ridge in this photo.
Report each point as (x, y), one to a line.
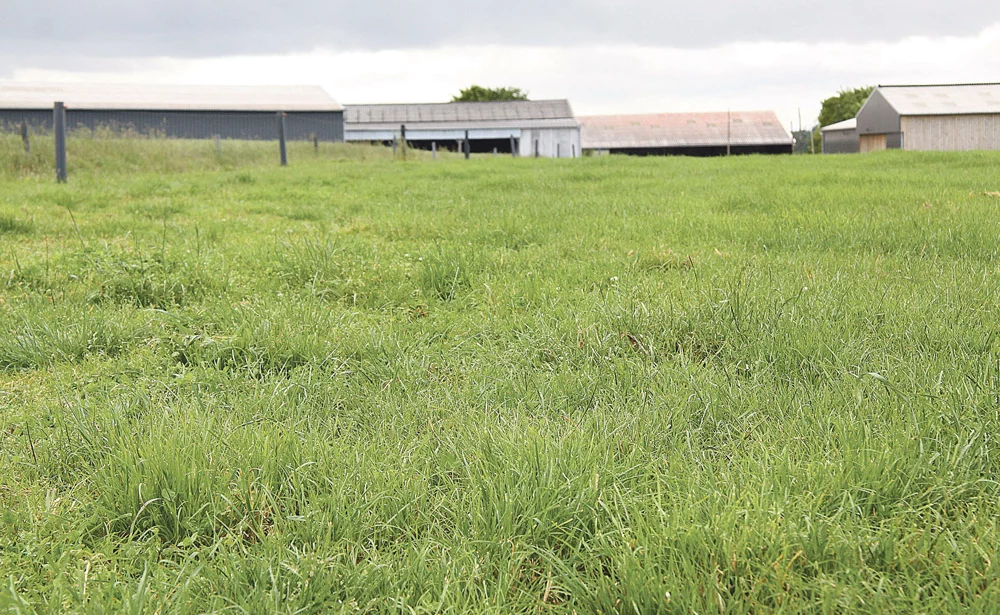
(937, 85)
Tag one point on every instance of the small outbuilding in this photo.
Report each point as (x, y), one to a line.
(177, 111)
(687, 134)
(841, 138)
(931, 118)
(543, 128)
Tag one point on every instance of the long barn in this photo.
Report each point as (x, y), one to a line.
(177, 111)
(543, 128)
(931, 118)
(687, 134)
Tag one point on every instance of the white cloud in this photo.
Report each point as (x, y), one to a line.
(597, 79)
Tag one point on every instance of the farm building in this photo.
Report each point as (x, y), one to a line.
(187, 112)
(544, 128)
(931, 117)
(687, 134)
(841, 138)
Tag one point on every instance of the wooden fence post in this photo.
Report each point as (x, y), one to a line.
(282, 146)
(25, 137)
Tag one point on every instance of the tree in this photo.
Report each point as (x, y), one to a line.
(477, 93)
(844, 105)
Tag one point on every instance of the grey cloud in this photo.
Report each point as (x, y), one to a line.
(56, 29)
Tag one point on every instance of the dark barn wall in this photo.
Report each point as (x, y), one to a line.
(243, 125)
(841, 142)
(705, 151)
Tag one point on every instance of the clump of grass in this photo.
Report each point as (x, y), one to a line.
(11, 225)
(43, 337)
(447, 272)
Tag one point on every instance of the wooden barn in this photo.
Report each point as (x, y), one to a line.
(931, 118)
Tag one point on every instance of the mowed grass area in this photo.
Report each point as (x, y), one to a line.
(748, 385)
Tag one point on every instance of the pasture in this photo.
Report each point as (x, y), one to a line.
(607, 385)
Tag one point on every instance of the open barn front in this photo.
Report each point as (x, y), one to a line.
(476, 146)
(705, 151)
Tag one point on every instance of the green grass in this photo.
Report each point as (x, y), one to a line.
(751, 385)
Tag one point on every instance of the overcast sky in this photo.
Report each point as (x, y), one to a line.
(606, 57)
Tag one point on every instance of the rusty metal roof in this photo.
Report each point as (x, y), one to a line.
(960, 99)
(683, 130)
(508, 113)
(114, 97)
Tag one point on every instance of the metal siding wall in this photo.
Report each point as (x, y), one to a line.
(548, 138)
(10, 119)
(841, 142)
(878, 116)
(250, 125)
(952, 133)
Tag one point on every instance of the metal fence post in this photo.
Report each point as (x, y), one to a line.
(59, 124)
(513, 147)
(25, 137)
(558, 150)
(434, 150)
(316, 144)
(402, 139)
(468, 146)
(537, 154)
(218, 145)
(282, 146)
(574, 150)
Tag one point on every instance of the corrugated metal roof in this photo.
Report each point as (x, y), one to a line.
(851, 124)
(964, 99)
(682, 130)
(513, 112)
(467, 125)
(114, 97)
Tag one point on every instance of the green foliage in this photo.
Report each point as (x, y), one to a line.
(476, 93)
(615, 385)
(844, 105)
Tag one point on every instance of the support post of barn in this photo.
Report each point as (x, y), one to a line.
(282, 146)
(25, 137)
(468, 145)
(729, 132)
(59, 124)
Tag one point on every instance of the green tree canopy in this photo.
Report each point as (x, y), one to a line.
(477, 93)
(844, 105)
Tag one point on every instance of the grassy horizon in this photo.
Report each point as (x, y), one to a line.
(615, 385)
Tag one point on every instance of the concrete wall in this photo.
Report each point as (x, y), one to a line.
(951, 132)
(564, 142)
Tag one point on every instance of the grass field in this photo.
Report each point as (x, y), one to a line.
(749, 385)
